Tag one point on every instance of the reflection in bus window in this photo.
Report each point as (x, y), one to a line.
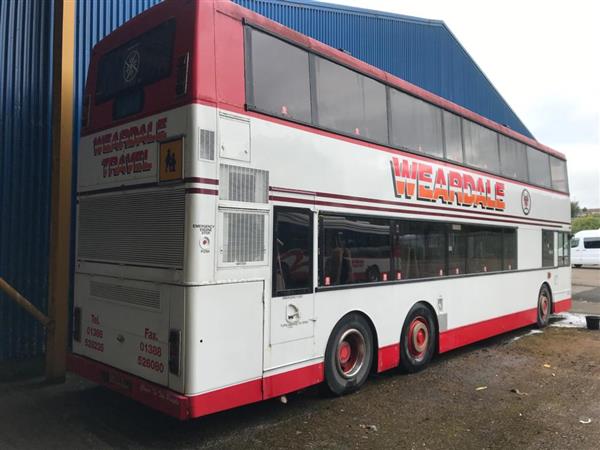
(292, 251)
(354, 250)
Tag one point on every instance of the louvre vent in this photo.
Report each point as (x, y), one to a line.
(244, 237)
(243, 184)
(207, 145)
(143, 228)
(149, 298)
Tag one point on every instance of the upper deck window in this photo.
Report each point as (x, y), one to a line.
(558, 170)
(278, 78)
(141, 61)
(539, 167)
(416, 125)
(513, 159)
(453, 137)
(349, 102)
(481, 147)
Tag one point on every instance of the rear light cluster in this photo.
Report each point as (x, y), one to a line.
(182, 74)
(174, 351)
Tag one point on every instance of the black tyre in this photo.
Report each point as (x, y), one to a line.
(349, 355)
(577, 266)
(544, 307)
(418, 339)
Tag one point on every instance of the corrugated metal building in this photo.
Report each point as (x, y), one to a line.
(421, 51)
(25, 110)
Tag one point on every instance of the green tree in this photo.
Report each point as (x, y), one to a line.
(575, 209)
(585, 223)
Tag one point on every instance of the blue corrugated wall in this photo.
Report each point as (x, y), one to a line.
(25, 148)
(423, 52)
(25, 103)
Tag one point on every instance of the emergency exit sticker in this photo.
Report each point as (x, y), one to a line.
(171, 160)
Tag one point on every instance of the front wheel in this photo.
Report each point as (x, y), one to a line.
(544, 307)
(349, 355)
(417, 341)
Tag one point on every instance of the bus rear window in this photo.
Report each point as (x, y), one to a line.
(141, 61)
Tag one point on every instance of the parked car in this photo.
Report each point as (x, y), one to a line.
(585, 248)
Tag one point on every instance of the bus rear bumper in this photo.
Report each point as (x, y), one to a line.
(150, 394)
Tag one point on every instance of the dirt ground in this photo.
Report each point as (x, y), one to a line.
(496, 394)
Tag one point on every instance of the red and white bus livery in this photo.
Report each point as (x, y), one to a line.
(258, 213)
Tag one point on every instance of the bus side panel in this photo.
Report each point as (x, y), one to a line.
(224, 336)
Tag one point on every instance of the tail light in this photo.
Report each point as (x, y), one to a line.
(174, 351)
(182, 74)
(77, 324)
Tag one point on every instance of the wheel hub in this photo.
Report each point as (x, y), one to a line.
(418, 337)
(544, 305)
(351, 353)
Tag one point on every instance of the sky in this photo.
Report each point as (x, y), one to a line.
(544, 59)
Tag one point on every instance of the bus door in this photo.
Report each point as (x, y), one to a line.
(292, 297)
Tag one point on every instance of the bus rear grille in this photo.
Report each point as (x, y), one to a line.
(140, 228)
(126, 294)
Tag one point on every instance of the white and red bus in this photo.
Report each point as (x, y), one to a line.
(259, 212)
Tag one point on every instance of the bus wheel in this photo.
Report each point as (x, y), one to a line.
(544, 307)
(349, 355)
(417, 342)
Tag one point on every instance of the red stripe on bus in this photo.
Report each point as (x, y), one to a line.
(561, 306)
(286, 382)
(392, 202)
(201, 180)
(145, 392)
(388, 357)
(201, 191)
(467, 334)
(226, 398)
(405, 211)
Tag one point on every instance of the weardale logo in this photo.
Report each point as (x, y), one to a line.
(421, 181)
(131, 66)
(526, 201)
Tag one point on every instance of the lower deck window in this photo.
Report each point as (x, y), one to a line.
(358, 249)
(354, 250)
(547, 248)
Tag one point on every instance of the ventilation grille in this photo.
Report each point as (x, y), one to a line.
(143, 228)
(148, 298)
(207, 145)
(243, 237)
(242, 184)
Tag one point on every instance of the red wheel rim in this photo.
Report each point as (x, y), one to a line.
(418, 338)
(351, 352)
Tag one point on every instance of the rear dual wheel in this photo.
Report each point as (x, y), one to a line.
(418, 339)
(544, 307)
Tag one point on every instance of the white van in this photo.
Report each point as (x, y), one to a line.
(585, 248)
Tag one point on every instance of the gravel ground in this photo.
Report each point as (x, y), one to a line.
(523, 390)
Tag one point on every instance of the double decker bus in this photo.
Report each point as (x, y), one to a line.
(258, 213)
